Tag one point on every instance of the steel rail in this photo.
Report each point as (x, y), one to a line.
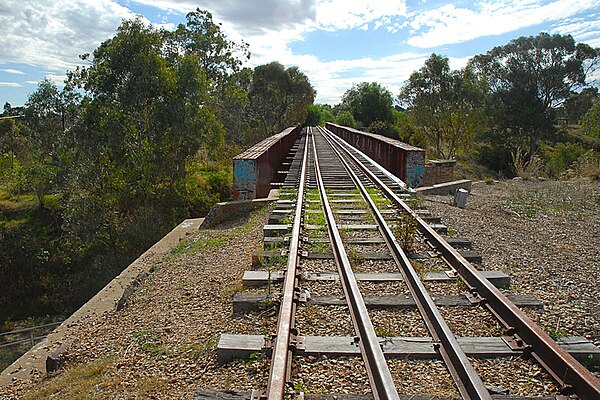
(280, 370)
(573, 377)
(468, 382)
(380, 377)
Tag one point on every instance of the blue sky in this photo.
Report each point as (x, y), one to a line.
(337, 43)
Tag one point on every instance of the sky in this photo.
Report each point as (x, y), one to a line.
(336, 43)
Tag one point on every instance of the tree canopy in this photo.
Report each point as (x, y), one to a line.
(279, 97)
(368, 102)
(447, 105)
(529, 78)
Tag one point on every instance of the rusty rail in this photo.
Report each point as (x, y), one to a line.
(279, 373)
(380, 377)
(467, 380)
(573, 377)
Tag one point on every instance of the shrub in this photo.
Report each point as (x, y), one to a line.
(587, 166)
(378, 127)
(346, 118)
(523, 167)
(561, 157)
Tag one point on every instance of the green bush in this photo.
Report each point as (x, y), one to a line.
(496, 158)
(560, 157)
(346, 118)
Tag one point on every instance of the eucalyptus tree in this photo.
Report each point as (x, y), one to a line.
(279, 97)
(528, 79)
(368, 102)
(447, 106)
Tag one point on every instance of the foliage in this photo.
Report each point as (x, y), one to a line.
(590, 122)
(447, 105)
(578, 103)
(526, 167)
(378, 127)
(561, 157)
(319, 114)
(406, 128)
(279, 97)
(345, 118)
(528, 79)
(368, 102)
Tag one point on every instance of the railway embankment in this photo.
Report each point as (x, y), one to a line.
(162, 341)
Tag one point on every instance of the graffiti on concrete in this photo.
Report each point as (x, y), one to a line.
(244, 179)
(415, 168)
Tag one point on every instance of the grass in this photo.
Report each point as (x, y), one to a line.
(288, 194)
(150, 343)
(200, 350)
(386, 330)
(236, 287)
(208, 241)
(554, 198)
(320, 247)
(96, 379)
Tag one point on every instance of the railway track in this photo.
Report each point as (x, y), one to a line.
(364, 284)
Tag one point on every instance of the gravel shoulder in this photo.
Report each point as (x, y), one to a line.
(546, 236)
(162, 344)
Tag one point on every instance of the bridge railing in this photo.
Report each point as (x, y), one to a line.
(255, 168)
(405, 161)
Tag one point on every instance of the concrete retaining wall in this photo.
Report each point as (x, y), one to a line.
(446, 188)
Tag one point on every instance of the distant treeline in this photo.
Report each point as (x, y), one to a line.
(137, 140)
(529, 100)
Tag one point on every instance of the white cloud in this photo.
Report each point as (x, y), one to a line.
(12, 71)
(449, 24)
(347, 14)
(10, 84)
(52, 33)
(587, 31)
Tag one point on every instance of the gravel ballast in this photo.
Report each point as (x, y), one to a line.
(545, 235)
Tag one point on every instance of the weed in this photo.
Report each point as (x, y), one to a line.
(236, 287)
(150, 343)
(523, 167)
(320, 247)
(451, 232)
(355, 257)
(82, 381)
(299, 386)
(204, 349)
(406, 232)
(207, 241)
(386, 331)
(272, 262)
(315, 218)
(254, 357)
(288, 194)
